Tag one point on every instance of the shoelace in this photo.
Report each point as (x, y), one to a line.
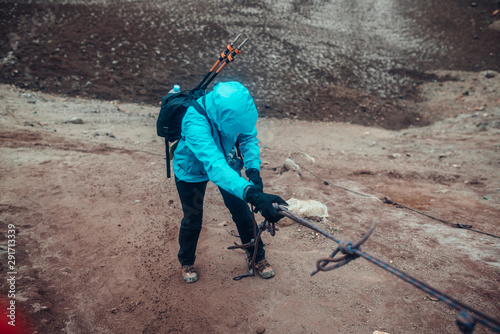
(263, 265)
(189, 269)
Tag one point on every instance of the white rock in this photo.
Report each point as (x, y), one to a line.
(75, 120)
(310, 209)
(289, 164)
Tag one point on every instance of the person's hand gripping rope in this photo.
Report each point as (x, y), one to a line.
(264, 203)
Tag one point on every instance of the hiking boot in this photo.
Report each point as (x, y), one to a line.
(264, 269)
(189, 274)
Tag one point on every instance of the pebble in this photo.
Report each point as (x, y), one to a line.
(489, 74)
(290, 165)
(75, 120)
(260, 330)
(395, 156)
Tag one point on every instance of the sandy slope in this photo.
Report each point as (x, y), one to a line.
(96, 221)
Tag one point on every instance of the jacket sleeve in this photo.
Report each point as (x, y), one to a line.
(249, 147)
(198, 137)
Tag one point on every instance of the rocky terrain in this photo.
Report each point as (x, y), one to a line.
(374, 101)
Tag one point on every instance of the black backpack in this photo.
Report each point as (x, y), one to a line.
(172, 111)
(174, 105)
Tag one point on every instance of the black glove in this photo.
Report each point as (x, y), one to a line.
(264, 203)
(254, 176)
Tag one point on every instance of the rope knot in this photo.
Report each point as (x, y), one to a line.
(345, 247)
(349, 250)
(251, 260)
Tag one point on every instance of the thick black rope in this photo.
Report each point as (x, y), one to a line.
(465, 320)
(251, 263)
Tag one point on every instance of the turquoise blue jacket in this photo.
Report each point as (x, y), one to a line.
(202, 151)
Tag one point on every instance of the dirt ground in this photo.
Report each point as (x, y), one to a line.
(82, 180)
(358, 62)
(96, 221)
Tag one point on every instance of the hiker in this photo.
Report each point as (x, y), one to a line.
(206, 152)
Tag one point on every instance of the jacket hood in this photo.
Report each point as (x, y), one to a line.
(231, 107)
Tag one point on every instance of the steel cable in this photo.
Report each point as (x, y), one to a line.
(456, 225)
(388, 201)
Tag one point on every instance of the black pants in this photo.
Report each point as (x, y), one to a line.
(191, 195)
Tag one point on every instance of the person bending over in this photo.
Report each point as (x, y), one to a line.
(207, 152)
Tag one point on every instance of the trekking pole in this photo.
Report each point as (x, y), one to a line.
(222, 56)
(229, 59)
